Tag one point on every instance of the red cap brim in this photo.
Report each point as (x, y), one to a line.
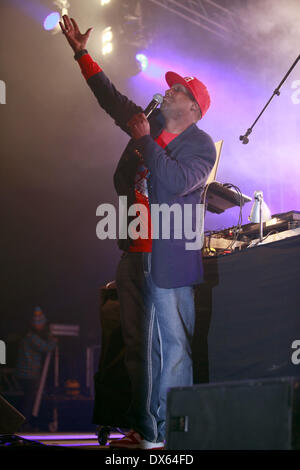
(172, 78)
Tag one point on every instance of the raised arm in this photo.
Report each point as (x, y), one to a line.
(118, 106)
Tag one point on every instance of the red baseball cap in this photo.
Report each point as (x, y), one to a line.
(197, 88)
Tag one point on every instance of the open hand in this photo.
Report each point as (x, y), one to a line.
(139, 126)
(75, 38)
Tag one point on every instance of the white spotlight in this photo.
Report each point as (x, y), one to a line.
(107, 48)
(107, 37)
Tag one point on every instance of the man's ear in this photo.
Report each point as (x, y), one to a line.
(196, 108)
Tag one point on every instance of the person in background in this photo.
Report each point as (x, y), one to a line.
(36, 343)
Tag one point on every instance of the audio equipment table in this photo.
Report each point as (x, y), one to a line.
(250, 308)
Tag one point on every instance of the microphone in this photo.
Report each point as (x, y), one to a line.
(244, 138)
(157, 100)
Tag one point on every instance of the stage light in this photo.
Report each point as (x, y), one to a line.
(124, 37)
(142, 59)
(107, 37)
(104, 2)
(107, 48)
(51, 21)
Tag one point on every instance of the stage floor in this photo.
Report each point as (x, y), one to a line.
(64, 439)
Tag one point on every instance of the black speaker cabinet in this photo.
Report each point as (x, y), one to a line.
(253, 414)
(10, 418)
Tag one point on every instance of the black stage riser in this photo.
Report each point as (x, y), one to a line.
(258, 415)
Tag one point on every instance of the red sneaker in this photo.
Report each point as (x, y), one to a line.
(133, 440)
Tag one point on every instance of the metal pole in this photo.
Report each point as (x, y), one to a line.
(261, 233)
(38, 398)
(244, 138)
(56, 367)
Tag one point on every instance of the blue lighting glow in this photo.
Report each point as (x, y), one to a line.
(143, 60)
(51, 21)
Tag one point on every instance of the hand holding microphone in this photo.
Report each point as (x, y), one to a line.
(139, 124)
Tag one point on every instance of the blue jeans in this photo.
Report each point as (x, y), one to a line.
(157, 327)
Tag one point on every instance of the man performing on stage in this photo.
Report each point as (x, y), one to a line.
(166, 161)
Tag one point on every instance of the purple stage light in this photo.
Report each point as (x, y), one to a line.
(143, 60)
(51, 21)
(65, 436)
(82, 444)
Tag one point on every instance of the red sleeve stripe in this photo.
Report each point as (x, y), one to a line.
(88, 66)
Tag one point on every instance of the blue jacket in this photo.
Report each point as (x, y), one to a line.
(177, 175)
